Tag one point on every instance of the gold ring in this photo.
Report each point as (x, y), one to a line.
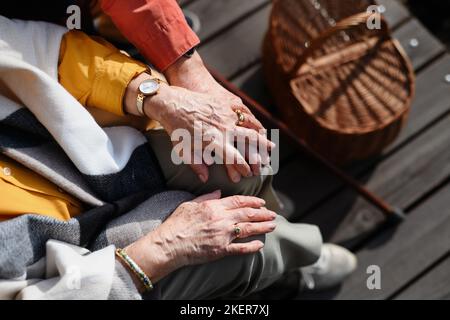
(237, 231)
(241, 117)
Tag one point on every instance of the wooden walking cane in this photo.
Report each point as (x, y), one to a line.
(393, 214)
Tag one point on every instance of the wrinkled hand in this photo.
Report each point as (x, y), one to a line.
(202, 231)
(179, 108)
(193, 75)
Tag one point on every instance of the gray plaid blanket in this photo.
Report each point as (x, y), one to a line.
(113, 171)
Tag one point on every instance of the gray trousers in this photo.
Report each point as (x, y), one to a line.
(289, 247)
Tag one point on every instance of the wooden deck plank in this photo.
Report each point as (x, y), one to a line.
(403, 252)
(401, 180)
(318, 175)
(432, 101)
(396, 13)
(431, 104)
(252, 82)
(239, 46)
(428, 46)
(435, 285)
(409, 169)
(218, 14)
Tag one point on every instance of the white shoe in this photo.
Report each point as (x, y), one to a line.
(334, 265)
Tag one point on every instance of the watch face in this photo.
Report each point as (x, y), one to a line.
(149, 87)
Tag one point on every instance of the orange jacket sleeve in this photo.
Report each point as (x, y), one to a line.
(156, 27)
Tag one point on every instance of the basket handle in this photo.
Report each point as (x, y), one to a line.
(345, 24)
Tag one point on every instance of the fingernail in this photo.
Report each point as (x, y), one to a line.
(272, 226)
(236, 177)
(203, 178)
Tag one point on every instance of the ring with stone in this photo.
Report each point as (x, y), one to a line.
(241, 117)
(237, 231)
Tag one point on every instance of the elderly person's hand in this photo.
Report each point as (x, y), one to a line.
(192, 74)
(179, 108)
(201, 231)
(216, 118)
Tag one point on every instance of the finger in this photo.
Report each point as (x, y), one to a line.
(254, 159)
(250, 120)
(232, 173)
(230, 156)
(248, 229)
(201, 170)
(243, 168)
(252, 135)
(257, 166)
(252, 215)
(265, 157)
(244, 248)
(209, 196)
(236, 202)
(234, 158)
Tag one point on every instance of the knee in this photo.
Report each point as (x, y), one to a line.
(247, 186)
(250, 186)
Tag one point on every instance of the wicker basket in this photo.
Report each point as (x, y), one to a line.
(345, 89)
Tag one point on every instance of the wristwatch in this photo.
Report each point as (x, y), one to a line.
(147, 88)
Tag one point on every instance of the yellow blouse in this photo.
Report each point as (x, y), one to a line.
(96, 74)
(24, 191)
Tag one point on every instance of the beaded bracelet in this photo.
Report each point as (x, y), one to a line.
(135, 268)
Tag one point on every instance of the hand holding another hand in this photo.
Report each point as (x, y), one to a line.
(179, 108)
(196, 102)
